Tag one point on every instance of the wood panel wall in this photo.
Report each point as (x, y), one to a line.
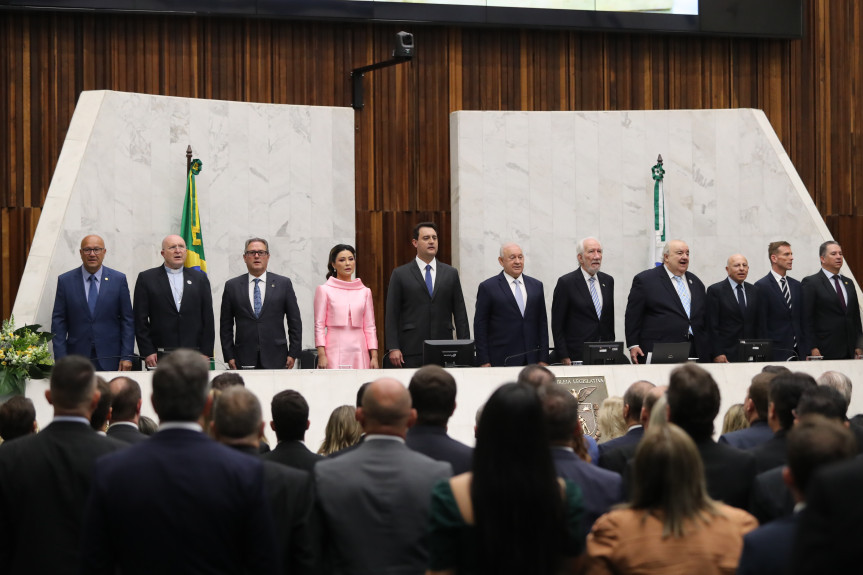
(808, 88)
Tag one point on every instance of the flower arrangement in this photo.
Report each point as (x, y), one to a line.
(23, 353)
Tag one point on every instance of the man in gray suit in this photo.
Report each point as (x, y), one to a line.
(375, 499)
(423, 299)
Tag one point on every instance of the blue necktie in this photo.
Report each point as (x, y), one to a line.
(257, 296)
(681, 291)
(429, 280)
(519, 299)
(595, 297)
(92, 294)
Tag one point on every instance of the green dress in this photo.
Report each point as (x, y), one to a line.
(452, 542)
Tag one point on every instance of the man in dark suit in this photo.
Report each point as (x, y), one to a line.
(238, 423)
(755, 409)
(667, 304)
(45, 478)
(433, 392)
(831, 312)
(732, 312)
(510, 325)
(179, 482)
(375, 500)
(17, 418)
(617, 458)
(633, 400)
(693, 404)
(600, 488)
(93, 312)
(290, 422)
(125, 410)
(258, 303)
(173, 306)
(781, 306)
(814, 443)
(424, 301)
(582, 308)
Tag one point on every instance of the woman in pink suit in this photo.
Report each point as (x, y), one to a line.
(345, 332)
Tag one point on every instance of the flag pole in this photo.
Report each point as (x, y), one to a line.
(658, 211)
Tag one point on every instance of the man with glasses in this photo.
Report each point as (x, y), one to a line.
(173, 306)
(93, 313)
(257, 304)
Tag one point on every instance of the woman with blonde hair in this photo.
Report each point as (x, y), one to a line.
(343, 430)
(735, 419)
(671, 526)
(610, 419)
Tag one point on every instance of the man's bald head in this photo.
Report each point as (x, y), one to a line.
(633, 400)
(386, 408)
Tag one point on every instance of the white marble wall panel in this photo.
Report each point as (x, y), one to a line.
(729, 187)
(284, 173)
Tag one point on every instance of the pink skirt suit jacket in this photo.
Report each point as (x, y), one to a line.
(345, 323)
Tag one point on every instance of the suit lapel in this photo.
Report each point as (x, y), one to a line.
(828, 285)
(503, 283)
(415, 272)
(731, 297)
(666, 282)
(271, 293)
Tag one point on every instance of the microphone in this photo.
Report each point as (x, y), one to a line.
(537, 349)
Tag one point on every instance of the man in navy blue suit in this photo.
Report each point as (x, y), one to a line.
(93, 312)
(510, 324)
(781, 307)
(732, 311)
(667, 305)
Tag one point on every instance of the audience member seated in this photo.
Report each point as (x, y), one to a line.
(633, 400)
(100, 416)
(735, 419)
(610, 424)
(600, 488)
(693, 404)
(618, 458)
(671, 525)
(815, 442)
(125, 410)
(359, 402)
(147, 426)
(290, 421)
(227, 379)
(755, 409)
(342, 430)
(511, 514)
(536, 375)
(17, 418)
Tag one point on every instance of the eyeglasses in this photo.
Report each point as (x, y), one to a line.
(94, 251)
(256, 253)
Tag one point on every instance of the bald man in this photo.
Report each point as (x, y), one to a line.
(732, 311)
(375, 499)
(92, 313)
(510, 325)
(173, 306)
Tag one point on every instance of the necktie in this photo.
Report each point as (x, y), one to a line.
(429, 285)
(787, 294)
(595, 297)
(519, 299)
(684, 296)
(741, 300)
(92, 294)
(839, 293)
(257, 297)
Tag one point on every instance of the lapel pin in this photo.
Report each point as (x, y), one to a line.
(189, 282)
(106, 279)
(272, 285)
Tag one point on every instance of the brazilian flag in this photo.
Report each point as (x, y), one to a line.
(190, 223)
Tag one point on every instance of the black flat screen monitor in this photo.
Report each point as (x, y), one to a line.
(603, 353)
(756, 350)
(670, 352)
(448, 352)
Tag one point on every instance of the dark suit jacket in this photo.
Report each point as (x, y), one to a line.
(618, 459)
(44, 482)
(111, 330)
(768, 549)
(782, 325)
(631, 437)
(499, 329)
(265, 334)
(770, 498)
(159, 324)
(834, 331)
(293, 454)
(772, 453)
(413, 317)
(573, 316)
(600, 488)
(726, 325)
(729, 472)
(434, 442)
(754, 435)
(126, 433)
(654, 312)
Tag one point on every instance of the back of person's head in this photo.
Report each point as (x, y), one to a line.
(360, 392)
(693, 400)
(433, 391)
(147, 426)
(659, 412)
(237, 414)
(17, 418)
(634, 399)
(668, 476)
(386, 407)
(735, 419)
(126, 398)
(758, 392)
(822, 400)
(816, 441)
(517, 500)
(609, 419)
(72, 382)
(180, 386)
(99, 417)
(786, 389)
(343, 430)
(838, 381)
(775, 369)
(290, 415)
(561, 414)
(651, 398)
(536, 375)
(227, 379)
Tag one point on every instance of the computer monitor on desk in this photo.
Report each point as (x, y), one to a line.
(756, 350)
(449, 352)
(604, 353)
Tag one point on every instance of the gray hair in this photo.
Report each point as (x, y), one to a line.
(251, 240)
(507, 244)
(838, 381)
(822, 249)
(579, 247)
